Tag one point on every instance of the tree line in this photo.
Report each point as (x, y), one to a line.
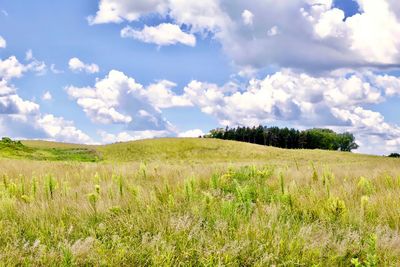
(288, 138)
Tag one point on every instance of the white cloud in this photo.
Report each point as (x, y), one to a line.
(119, 99)
(55, 70)
(335, 101)
(161, 96)
(3, 43)
(192, 133)
(115, 11)
(75, 64)
(11, 103)
(131, 136)
(47, 96)
(273, 31)
(22, 118)
(247, 17)
(390, 83)
(285, 95)
(39, 67)
(11, 68)
(29, 55)
(45, 127)
(58, 128)
(309, 35)
(162, 35)
(377, 45)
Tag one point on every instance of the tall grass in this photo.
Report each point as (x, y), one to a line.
(233, 213)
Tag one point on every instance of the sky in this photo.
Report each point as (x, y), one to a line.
(104, 71)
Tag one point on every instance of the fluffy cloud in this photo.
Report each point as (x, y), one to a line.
(160, 94)
(11, 103)
(379, 45)
(47, 96)
(119, 99)
(390, 83)
(373, 133)
(3, 43)
(192, 133)
(11, 68)
(162, 35)
(58, 128)
(46, 127)
(336, 101)
(75, 64)
(299, 99)
(304, 34)
(21, 118)
(286, 96)
(131, 136)
(116, 11)
(247, 17)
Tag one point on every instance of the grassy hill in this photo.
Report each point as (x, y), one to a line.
(196, 202)
(187, 150)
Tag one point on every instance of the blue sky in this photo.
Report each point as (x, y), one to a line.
(116, 70)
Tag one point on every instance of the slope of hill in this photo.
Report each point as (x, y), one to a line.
(49, 151)
(182, 150)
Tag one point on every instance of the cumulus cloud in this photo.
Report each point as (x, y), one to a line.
(22, 118)
(286, 96)
(192, 133)
(116, 11)
(11, 68)
(57, 128)
(373, 132)
(161, 35)
(47, 96)
(119, 99)
(160, 94)
(314, 36)
(75, 64)
(46, 127)
(55, 70)
(380, 44)
(3, 43)
(273, 31)
(336, 101)
(126, 136)
(247, 17)
(11, 103)
(29, 55)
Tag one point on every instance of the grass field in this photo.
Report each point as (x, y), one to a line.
(196, 202)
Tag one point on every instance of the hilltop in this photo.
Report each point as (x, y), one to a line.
(178, 150)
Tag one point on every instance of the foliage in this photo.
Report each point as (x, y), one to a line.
(17, 149)
(394, 155)
(288, 138)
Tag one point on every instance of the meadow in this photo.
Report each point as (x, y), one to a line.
(196, 202)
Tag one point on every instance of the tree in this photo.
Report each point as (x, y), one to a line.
(288, 138)
(347, 142)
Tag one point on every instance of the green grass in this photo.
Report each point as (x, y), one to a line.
(48, 151)
(196, 202)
